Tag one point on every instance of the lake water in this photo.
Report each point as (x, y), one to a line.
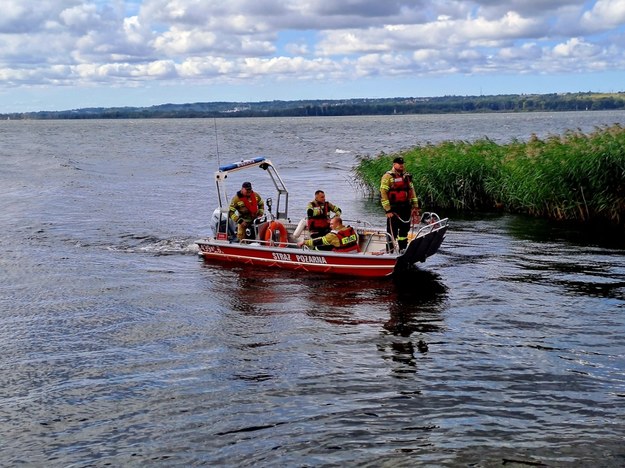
(119, 346)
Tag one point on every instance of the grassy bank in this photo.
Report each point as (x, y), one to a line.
(575, 176)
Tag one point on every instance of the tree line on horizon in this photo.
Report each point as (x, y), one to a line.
(554, 102)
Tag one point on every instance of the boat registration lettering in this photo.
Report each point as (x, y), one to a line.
(310, 259)
(298, 258)
(211, 249)
(281, 256)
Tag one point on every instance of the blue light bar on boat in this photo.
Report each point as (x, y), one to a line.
(245, 162)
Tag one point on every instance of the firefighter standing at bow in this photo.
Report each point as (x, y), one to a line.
(400, 203)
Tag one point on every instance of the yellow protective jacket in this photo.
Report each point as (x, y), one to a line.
(343, 238)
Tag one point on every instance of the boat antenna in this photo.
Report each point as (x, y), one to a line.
(216, 142)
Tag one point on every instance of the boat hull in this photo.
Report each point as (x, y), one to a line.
(310, 261)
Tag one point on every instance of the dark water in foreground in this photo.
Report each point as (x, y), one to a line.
(118, 346)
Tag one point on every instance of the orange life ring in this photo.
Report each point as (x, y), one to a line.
(273, 227)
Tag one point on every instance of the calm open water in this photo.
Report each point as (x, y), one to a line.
(118, 346)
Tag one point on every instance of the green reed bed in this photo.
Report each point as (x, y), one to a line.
(575, 176)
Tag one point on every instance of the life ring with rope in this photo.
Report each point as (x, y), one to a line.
(276, 226)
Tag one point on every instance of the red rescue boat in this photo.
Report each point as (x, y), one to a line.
(273, 240)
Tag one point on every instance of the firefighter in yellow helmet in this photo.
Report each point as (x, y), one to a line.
(399, 202)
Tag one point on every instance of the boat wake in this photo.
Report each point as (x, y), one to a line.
(135, 243)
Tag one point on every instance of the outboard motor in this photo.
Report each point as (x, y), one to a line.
(222, 223)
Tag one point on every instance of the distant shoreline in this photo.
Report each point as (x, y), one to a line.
(554, 102)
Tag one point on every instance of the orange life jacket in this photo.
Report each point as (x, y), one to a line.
(251, 203)
(399, 191)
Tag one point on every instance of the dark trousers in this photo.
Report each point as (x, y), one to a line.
(399, 225)
(321, 233)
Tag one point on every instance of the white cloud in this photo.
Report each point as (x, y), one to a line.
(297, 48)
(441, 33)
(576, 48)
(175, 41)
(196, 67)
(80, 17)
(605, 14)
(526, 53)
(21, 17)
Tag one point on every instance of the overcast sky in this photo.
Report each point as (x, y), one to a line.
(67, 54)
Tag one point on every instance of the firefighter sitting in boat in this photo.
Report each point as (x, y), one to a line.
(318, 214)
(245, 207)
(340, 238)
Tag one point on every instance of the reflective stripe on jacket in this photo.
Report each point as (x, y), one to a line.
(348, 239)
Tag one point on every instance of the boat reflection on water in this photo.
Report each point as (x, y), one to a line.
(401, 313)
(401, 305)
(414, 314)
(416, 308)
